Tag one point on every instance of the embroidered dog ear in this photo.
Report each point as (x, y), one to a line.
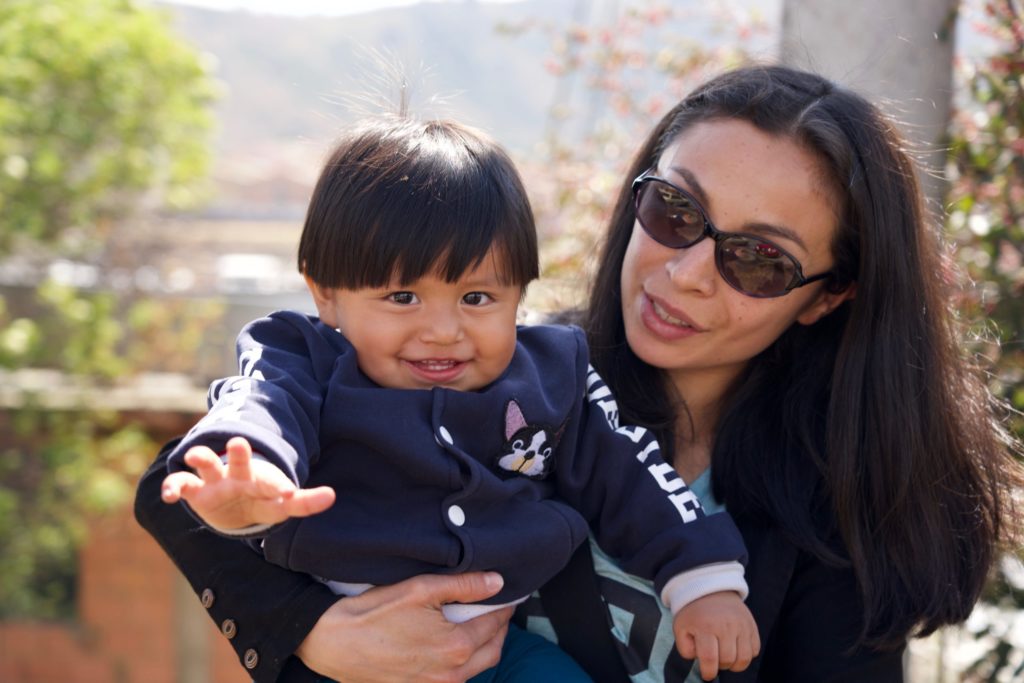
(528, 449)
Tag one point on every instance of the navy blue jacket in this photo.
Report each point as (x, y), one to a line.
(428, 481)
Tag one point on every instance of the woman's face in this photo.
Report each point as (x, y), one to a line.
(679, 314)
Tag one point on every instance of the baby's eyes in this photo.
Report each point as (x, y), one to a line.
(477, 299)
(409, 298)
(403, 298)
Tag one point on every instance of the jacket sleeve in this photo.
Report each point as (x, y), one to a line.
(640, 510)
(273, 608)
(274, 402)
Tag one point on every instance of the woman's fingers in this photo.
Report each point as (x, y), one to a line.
(487, 632)
(434, 590)
(472, 587)
(423, 645)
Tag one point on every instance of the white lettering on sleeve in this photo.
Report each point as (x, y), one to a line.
(685, 501)
(648, 449)
(666, 477)
(634, 434)
(247, 363)
(597, 390)
(687, 504)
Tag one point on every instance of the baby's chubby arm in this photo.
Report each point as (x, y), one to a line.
(241, 492)
(718, 631)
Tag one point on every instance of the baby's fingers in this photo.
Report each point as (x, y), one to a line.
(239, 458)
(306, 502)
(745, 653)
(748, 646)
(727, 653)
(206, 463)
(687, 646)
(179, 485)
(707, 656)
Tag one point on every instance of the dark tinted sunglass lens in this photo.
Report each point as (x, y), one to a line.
(755, 267)
(669, 216)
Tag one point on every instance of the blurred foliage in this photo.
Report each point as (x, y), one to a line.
(986, 221)
(104, 115)
(986, 199)
(99, 102)
(615, 78)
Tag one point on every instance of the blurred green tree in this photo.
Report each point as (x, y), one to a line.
(986, 223)
(104, 114)
(986, 199)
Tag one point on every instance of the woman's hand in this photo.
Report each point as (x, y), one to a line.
(397, 633)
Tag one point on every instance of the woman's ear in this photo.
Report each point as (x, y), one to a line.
(826, 302)
(323, 297)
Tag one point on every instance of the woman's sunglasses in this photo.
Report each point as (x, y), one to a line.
(751, 265)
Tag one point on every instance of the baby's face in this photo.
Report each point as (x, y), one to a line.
(429, 333)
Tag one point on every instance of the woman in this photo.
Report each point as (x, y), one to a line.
(767, 300)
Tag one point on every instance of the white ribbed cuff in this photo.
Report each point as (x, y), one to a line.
(684, 588)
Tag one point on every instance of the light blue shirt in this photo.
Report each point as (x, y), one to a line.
(623, 621)
(639, 619)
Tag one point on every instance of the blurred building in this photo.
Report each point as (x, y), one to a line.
(136, 618)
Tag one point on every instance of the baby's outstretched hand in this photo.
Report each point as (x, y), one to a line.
(719, 632)
(241, 492)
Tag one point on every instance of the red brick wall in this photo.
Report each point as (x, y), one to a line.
(130, 604)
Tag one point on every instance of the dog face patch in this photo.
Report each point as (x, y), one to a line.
(528, 449)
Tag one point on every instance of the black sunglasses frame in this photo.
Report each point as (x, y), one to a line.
(719, 237)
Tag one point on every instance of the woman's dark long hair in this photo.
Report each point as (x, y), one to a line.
(869, 437)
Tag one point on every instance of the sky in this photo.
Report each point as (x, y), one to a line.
(307, 7)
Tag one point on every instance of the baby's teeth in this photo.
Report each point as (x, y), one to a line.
(437, 364)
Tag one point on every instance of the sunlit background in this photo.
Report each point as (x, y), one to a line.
(156, 160)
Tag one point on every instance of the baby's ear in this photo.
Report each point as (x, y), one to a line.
(323, 297)
(826, 302)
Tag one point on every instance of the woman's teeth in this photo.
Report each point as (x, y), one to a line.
(663, 314)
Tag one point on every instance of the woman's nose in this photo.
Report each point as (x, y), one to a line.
(693, 268)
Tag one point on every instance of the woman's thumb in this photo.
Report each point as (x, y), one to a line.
(469, 587)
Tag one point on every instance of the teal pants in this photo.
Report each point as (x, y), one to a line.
(529, 658)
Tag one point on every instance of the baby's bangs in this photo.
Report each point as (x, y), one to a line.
(403, 204)
(448, 226)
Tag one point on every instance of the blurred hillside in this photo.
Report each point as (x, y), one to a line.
(295, 78)
(290, 82)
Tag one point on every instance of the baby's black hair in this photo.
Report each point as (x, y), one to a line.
(400, 199)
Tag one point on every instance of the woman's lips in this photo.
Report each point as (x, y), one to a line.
(664, 321)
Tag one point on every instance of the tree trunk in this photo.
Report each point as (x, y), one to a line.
(899, 53)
